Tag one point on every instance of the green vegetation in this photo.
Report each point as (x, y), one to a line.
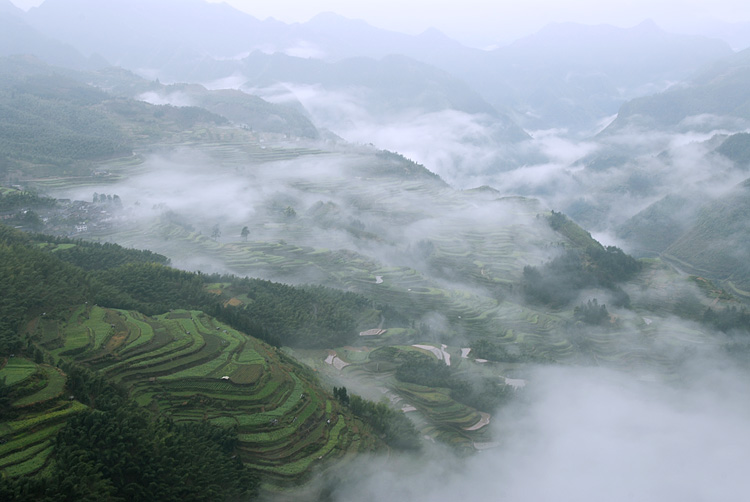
(396, 430)
(53, 387)
(53, 120)
(737, 148)
(558, 282)
(16, 369)
(52, 123)
(707, 247)
(485, 394)
(730, 319)
(133, 380)
(577, 236)
(591, 313)
(13, 200)
(123, 453)
(181, 365)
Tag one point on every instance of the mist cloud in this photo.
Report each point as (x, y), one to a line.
(172, 98)
(591, 434)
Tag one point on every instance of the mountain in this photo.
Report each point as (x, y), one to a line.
(219, 46)
(61, 120)
(736, 34)
(567, 75)
(17, 37)
(193, 34)
(652, 230)
(53, 122)
(712, 99)
(392, 83)
(736, 148)
(336, 37)
(702, 227)
(717, 243)
(572, 75)
(134, 34)
(50, 119)
(241, 108)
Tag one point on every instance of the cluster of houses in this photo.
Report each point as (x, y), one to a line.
(68, 218)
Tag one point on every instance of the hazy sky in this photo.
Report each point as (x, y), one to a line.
(479, 21)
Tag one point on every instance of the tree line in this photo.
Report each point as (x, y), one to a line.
(559, 281)
(393, 427)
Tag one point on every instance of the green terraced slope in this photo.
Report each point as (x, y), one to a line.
(38, 410)
(189, 367)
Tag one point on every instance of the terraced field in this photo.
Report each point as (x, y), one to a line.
(39, 410)
(437, 416)
(186, 365)
(448, 258)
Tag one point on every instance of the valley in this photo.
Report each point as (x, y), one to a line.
(326, 261)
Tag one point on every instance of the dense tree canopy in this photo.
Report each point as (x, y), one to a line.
(559, 281)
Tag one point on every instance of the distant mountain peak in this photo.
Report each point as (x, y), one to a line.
(434, 34)
(647, 26)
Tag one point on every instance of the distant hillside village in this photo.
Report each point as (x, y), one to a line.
(63, 217)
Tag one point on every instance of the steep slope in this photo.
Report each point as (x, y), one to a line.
(566, 75)
(394, 81)
(654, 229)
(181, 364)
(717, 244)
(573, 75)
(714, 98)
(59, 121)
(241, 108)
(50, 119)
(737, 148)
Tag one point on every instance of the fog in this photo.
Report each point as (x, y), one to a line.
(640, 165)
(590, 434)
(192, 189)
(647, 432)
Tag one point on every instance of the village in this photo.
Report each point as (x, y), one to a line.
(25, 210)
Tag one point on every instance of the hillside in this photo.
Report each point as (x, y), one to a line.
(447, 275)
(737, 148)
(394, 81)
(17, 37)
(239, 293)
(183, 365)
(58, 121)
(654, 229)
(717, 243)
(714, 97)
(572, 75)
(568, 74)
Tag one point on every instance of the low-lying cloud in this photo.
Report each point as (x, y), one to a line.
(591, 434)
